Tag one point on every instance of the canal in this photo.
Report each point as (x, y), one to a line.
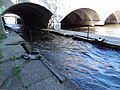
(112, 30)
(90, 66)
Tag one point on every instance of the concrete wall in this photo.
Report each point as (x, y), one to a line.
(1, 27)
(4, 4)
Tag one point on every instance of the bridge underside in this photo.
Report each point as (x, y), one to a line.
(80, 17)
(114, 18)
(32, 15)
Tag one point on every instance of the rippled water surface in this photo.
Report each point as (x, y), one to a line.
(90, 66)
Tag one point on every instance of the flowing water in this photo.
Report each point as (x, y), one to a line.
(90, 66)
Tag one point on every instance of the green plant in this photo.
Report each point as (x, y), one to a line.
(2, 8)
(13, 58)
(2, 36)
(1, 56)
(16, 71)
(1, 62)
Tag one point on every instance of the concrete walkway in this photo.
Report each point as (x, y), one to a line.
(19, 74)
(112, 42)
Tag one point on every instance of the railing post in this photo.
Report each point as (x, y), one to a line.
(88, 32)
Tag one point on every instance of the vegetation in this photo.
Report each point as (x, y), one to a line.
(13, 58)
(2, 36)
(2, 8)
(1, 62)
(16, 71)
(1, 56)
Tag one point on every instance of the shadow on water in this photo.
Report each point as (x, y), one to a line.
(90, 66)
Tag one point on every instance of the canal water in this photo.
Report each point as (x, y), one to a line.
(90, 66)
(112, 30)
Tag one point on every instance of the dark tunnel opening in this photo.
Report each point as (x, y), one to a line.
(80, 17)
(32, 15)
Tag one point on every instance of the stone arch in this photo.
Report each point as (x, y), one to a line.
(113, 18)
(79, 17)
(32, 15)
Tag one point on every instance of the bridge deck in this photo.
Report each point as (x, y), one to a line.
(112, 42)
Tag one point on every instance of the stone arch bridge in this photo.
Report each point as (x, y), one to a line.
(38, 13)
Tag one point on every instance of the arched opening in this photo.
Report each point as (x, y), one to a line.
(114, 18)
(32, 15)
(10, 18)
(12, 22)
(80, 17)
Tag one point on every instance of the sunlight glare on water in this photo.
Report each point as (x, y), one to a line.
(108, 30)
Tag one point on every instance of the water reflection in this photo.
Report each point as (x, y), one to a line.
(90, 66)
(109, 30)
(112, 30)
